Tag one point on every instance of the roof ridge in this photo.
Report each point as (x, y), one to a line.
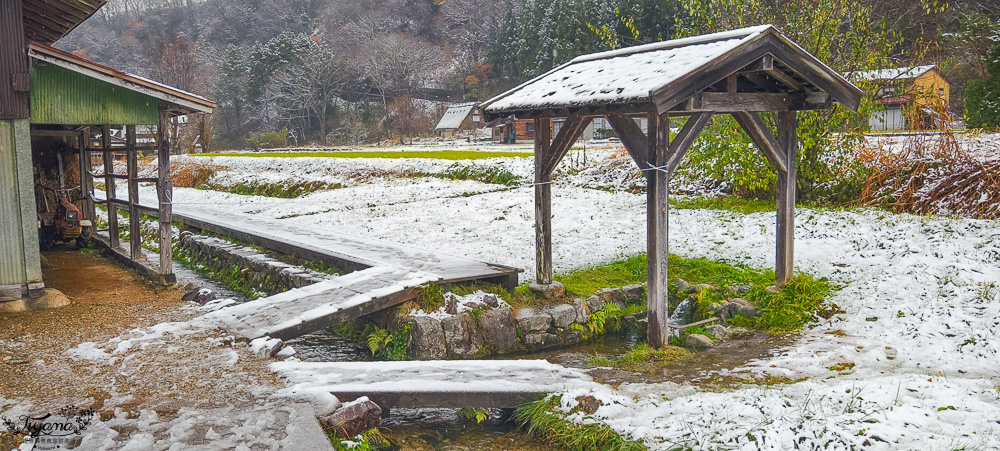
(741, 33)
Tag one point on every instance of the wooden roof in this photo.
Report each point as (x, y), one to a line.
(178, 101)
(45, 21)
(757, 68)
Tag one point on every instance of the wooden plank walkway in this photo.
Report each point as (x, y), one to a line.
(303, 310)
(434, 383)
(385, 274)
(345, 251)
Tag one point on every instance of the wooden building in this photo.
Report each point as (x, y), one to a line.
(512, 130)
(460, 118)
(912, 97)
(742, 73)
(55, 103)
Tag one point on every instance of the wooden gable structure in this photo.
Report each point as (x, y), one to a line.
(742, 72)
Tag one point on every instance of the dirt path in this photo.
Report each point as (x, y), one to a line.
(105, 351)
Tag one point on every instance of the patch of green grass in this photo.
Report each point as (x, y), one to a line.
(641, 358)
(279, 190)
(432, 154)
(801, 302)
(498, 176)
(728, 203)
(541, 418)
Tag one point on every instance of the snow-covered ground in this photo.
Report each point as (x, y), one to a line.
(920, 296)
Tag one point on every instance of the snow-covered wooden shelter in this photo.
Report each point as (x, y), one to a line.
(742, 72)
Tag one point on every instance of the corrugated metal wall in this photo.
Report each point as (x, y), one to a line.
(11, 242)
(61, 96)
(13, 62)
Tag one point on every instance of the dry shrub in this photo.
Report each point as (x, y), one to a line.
(191, 175)
(931, 174)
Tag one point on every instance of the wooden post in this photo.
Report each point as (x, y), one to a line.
(543, 203)
(134, 232)
(787, 143)
(109, 186)
(658, 334)
(86, 180)
(165, 192)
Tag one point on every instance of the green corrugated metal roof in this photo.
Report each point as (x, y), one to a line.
(61, 96)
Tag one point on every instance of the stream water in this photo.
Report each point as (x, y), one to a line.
(447, 429)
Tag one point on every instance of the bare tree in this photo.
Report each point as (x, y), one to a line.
(310, 86)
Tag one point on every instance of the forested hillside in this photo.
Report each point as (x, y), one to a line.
(357, 71)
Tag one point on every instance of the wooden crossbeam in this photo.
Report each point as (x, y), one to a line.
(683, 141)
(754, 126)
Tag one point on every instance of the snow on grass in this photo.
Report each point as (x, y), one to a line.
(918, 294)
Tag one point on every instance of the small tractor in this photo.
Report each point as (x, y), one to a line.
(64, 223)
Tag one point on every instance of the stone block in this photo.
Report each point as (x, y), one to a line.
(427, 340)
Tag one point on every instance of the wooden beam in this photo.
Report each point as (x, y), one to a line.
(724, 102)
(165, 192)
(634, 140)
(564, 140)
(754, 126)
(683, 141)
(543, 202)
(134, 227)
(786, 187)
(785, 79)
(109, 186)
(658, 334)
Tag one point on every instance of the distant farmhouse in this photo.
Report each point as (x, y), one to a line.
(462, 117)
(914, 97)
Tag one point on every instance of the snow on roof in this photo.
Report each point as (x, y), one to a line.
(455, 115)
(621, 76)
(896, 73)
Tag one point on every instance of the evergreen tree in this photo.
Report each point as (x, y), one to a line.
(982, 96)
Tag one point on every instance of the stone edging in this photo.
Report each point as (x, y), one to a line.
(497, 331)
(264, 273)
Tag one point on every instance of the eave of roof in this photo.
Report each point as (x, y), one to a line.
(185, 102)
(46, 21)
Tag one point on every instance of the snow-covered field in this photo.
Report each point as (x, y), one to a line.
(920, 295)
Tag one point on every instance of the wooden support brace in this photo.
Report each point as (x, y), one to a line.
(633, 138)
(135, 234)
(683, 141)
(564, 140)
(754, 126)
(786, 189)
(109, 186)
(543, 202)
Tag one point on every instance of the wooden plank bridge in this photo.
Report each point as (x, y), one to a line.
(385, 274)
(434, 383)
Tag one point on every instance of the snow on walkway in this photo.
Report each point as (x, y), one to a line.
(919, 294)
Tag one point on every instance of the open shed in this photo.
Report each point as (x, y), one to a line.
(742, 72)
(75, 103)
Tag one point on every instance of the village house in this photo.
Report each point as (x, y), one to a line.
(913, 97)
(462, 118)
